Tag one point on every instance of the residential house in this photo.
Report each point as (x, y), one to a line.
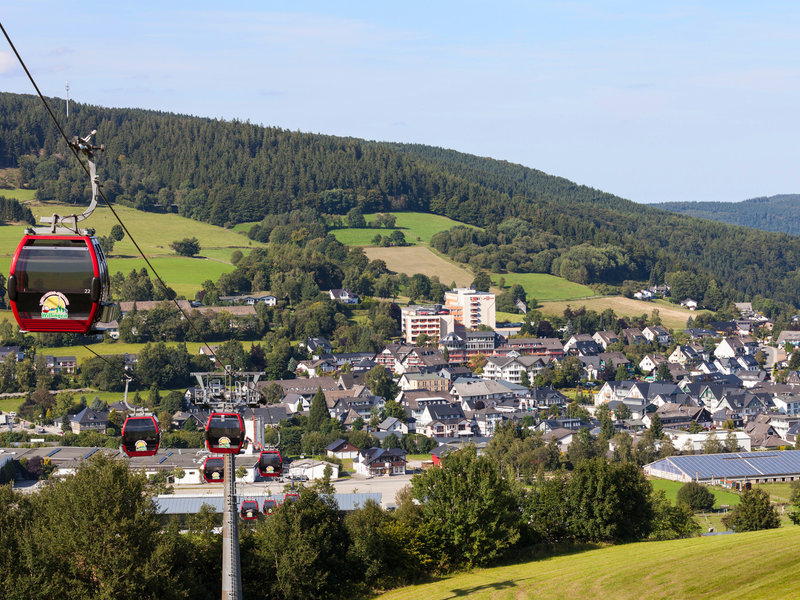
(372, 462)
(393, 425)
(344, 296)
(689, 354)
(316, 346)
(511, 367)
(681, 416)
(463, 345)
(792, 338)
(444, 420)
(433, 382)
(549, 348)
(657, 333)
(605, 338)
(56, 365)
(575, 339)
(689, 303)
(89, 420)
(650, 362)
(633, 336)
(309, 469)
(14, 351)
(468, 392)
(342, 449)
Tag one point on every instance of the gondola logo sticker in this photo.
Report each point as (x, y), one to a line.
(54, 306)
(141, 445)
(224, 442)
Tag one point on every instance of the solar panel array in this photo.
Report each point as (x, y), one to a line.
(755, 465)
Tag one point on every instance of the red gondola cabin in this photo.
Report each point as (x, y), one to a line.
(140, 436)
(270, 506)
(270, 463)
(214, 469)
(58, 283)
(249, 510)
(291, 498)
(224, 433)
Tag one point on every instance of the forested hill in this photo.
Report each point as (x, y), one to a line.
(773, 213)
(229, 172)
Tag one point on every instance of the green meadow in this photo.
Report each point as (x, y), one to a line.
(723, 497)
(544, 287)
(761, 564)
(417, 227)
(154, 232)
(19, 194)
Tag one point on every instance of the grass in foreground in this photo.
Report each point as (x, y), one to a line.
(760, 564)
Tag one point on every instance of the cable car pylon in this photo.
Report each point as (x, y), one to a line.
(225, 392)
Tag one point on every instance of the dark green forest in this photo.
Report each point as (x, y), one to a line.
(774, 213)
(229, 172)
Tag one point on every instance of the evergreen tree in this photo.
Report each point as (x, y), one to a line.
(318, 414)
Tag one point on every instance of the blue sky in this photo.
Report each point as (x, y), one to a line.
(653, 101)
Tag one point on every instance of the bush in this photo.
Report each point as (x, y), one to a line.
(696, 496)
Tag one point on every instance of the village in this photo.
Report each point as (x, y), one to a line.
(457, 376)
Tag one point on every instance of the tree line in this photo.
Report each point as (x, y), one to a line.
(243, 172)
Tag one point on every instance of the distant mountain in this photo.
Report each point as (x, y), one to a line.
(773, 213)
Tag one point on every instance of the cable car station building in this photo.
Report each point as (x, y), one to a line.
(729, 469)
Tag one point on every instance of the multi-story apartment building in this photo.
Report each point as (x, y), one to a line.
(471, 309)
(434, 321)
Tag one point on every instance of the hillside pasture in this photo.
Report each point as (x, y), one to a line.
(19, 194)
(759, 564)
(184, 275)
(416, 226)
(154, 232)
(544, 287)
(421, 259)
(671, 315)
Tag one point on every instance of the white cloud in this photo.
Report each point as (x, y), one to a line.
(7, 62)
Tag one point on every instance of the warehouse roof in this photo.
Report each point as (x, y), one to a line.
(736, 465)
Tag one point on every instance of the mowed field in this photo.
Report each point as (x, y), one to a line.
(761, 564)
(154, 232)
(544, 287)
(672, 316)
(417, 227)
(421, 259)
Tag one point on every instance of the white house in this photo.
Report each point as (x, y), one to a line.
(312, 469)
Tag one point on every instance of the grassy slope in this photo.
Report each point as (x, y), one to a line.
(153, 232)
(544, 287)
(746, 565)
(417, 227)
(723, 497)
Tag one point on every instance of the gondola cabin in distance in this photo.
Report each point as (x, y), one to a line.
(270, 463)
(58, 283)
(140, 436)
(270, 506)
(249, 510)
(214, 469)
